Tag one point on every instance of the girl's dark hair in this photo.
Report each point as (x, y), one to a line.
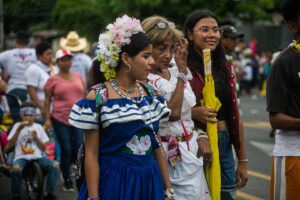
(195, 61)
(290, 10)
(42, 47)
(138, 42)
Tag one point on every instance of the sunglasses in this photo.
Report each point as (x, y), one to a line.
(28, 115)
(162, 26)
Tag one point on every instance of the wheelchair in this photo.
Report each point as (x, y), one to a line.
(34, 180)
(32, 172)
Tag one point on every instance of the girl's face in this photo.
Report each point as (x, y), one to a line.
(141, 64)
(206, 34)
(162, 55)
(64, 63)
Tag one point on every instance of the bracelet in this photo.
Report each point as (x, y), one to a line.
(182, 76)
(169, 193)
(93, 198)
(202, 136)
(243, 160)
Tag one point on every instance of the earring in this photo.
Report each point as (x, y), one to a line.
(129, 68)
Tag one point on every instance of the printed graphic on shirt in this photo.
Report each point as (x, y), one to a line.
(26, 144)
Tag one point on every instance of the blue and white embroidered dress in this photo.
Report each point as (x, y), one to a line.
(128, 169)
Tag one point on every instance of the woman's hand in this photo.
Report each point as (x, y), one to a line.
(204, 115)
(204, 150)
(241, 174)
(181, 56)
(47, 124)
(169, 194)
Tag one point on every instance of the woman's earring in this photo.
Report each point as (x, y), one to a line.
(129, 68)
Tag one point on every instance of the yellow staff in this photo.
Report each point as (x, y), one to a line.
(213, 172)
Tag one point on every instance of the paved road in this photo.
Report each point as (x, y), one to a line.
(258, 144)
(5, 193)
(259, 148)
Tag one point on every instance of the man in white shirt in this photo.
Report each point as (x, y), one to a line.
(15, 62)
(37, 75)
(81, 62)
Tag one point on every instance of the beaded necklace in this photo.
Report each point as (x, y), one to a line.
(130, 91)
(117, 88)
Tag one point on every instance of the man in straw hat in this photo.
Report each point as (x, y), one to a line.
(81, 62)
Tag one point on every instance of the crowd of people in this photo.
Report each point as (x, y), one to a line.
(45, 88)
(137, 114)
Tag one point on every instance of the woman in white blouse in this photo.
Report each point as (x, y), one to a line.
(171, 79)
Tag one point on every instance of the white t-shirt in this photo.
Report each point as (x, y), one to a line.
(37, 75)
(26, 147)
(167, 88)
(287, 143)
(81, 63)
(15, 62)
(247, 68)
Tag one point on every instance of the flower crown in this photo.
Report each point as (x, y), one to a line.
(110, 42)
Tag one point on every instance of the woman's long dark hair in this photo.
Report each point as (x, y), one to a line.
(195, 61)
(138, 43)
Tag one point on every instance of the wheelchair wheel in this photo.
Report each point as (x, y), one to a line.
(34, 180)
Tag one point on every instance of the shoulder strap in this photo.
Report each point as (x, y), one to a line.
(100, 96)
(149, 89)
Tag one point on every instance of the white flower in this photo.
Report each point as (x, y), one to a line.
(118, 34)
(139, 151)
(133, 144)
(145, 142)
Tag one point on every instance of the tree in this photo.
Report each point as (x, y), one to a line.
(27, 15)
(89, 17)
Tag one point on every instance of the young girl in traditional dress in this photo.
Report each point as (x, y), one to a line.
(123, 154)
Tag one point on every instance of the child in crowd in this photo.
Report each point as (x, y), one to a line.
(29, 139)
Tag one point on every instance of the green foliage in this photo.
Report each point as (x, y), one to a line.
(21, 15)
(84, 16)
(89, 17)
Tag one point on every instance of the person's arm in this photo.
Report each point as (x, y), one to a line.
(204, 149)
(91, 162)
(37, 140)
(3, 66)
(284, 122)
(32, 91)
(162, 163)
(175, 103)
(48, 96)
(241, 170)
(204, 115)
(3, 86)
(12, 141)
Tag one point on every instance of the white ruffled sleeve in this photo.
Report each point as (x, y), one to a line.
(84, 115)
(162, 85)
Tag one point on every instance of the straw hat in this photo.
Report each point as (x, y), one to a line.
(73, 42)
